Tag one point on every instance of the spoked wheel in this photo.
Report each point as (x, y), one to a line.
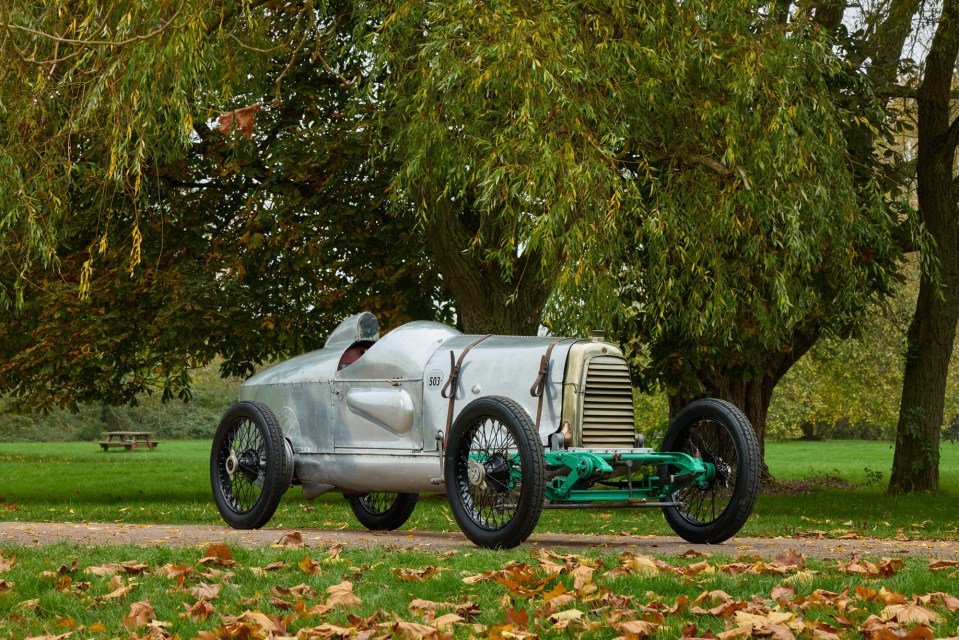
(719, 433)
(251, 465)
(495, 473)
(383, 511)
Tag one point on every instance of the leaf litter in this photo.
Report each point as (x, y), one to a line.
(549, 595)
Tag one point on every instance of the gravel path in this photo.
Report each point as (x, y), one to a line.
(95, 534)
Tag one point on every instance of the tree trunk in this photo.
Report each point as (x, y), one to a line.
(932, 332)
(752, 395)
(489, 298)
(915, 465)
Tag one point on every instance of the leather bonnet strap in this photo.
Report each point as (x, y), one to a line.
(449, 389)
(539, 385)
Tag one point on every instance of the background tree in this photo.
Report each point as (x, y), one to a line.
(247, 248)
(713, 166)
(682, 169)
(932, 332)
(893, 33)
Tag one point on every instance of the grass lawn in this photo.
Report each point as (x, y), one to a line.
(863, 509)
(320, 593)
(141, 592)
(79, 482)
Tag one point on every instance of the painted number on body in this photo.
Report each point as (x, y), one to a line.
(434, 379)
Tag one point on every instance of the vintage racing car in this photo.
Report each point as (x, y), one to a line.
(503, 425)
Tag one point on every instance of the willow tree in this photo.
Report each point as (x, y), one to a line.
(140, 239)
(680, 170)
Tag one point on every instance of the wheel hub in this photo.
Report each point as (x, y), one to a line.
(476, 474)
(250, 463)
(497, 469)
(231, 464)
(722, 471)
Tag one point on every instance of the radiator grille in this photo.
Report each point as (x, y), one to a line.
(608, 404)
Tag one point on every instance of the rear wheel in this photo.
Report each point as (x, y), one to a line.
(719, 433)
(251, 465)
(383, 511)
(495, 473)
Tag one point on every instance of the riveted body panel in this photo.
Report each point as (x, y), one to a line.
(376, 422)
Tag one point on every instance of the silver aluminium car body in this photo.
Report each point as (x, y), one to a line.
(378, 423)
(504, 426)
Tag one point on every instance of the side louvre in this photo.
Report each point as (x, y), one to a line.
(608, 420)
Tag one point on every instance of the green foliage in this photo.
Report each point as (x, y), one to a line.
(686, 160)
(851, 388)
(175, 244)
(843, 388)
(652, 416)
(83, 117)
(196, 419)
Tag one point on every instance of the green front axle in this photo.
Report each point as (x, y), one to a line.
(587, 467)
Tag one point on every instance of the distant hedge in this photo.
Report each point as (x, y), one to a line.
(172, 420)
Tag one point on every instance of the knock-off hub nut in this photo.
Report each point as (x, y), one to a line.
(476, 474)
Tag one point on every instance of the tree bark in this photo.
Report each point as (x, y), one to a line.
(752, 395)
(489, 298)
(932, 332)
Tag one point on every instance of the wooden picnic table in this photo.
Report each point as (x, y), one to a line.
(129, 440)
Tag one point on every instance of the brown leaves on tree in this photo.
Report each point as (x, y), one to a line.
(242, 119)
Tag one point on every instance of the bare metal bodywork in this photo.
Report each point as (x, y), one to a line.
(377, 424)
(504, 426)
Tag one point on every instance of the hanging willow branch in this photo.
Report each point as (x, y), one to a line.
(10, 27)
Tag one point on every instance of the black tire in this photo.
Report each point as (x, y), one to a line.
(383, 511)
(495, 473)
(722, 435)
(251, 465)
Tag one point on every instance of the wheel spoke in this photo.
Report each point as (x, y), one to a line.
(711, 440)
(378, 503)
(246, 443)
(491, 503)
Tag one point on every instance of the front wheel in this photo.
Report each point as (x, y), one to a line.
(251, 465)
(495, 473)
(719, 433)
(383, 511)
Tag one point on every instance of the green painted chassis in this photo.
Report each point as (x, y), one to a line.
(587, 467)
